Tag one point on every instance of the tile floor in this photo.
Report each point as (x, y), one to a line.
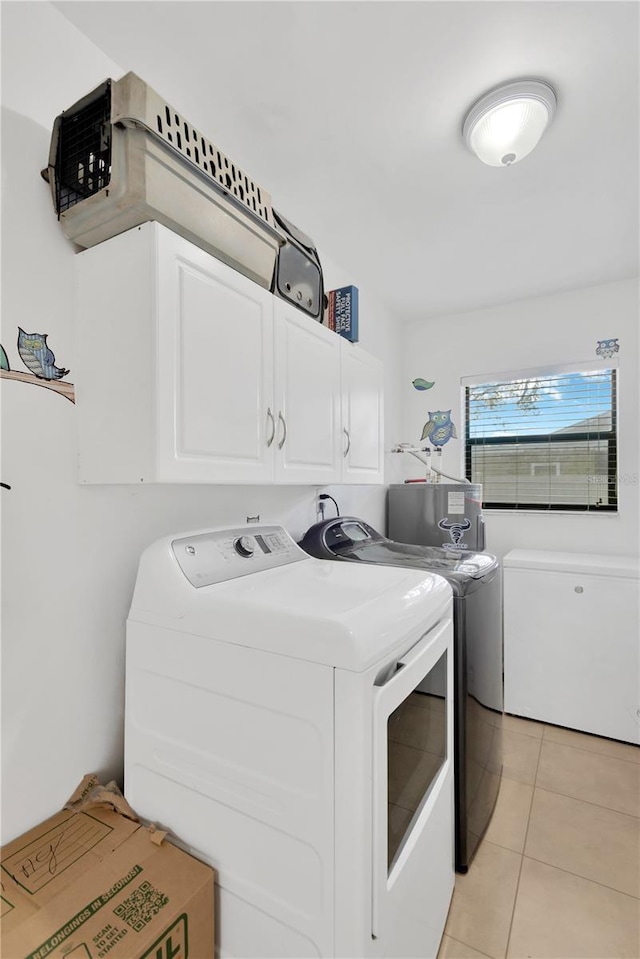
(557, 875)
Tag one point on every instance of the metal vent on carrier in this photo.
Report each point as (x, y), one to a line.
(121, 156)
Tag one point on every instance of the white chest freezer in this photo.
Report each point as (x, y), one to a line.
(571, 640)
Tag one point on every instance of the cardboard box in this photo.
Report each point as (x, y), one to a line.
(92, 882)
(341, 314)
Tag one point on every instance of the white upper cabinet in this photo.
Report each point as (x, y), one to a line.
(362, 416)
(175, 364)
(214, 369)
(188, 372)
(307, 399)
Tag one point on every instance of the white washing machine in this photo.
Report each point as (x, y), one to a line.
(275, 726)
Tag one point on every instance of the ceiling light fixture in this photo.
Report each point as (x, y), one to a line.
(505, 124)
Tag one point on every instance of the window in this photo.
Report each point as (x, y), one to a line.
(544, 439)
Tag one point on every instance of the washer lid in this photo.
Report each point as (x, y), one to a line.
(340, 614)
(447, 562)
(350, 538)
(597, 564)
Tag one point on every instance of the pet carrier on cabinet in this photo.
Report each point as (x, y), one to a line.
(121, 156)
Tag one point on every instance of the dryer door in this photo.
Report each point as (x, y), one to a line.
(413, 790)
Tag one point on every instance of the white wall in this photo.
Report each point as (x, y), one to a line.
(546, 330)
(70, 552)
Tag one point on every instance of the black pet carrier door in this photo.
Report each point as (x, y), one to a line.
(83, 155)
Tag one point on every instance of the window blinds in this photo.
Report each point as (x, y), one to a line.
(544, 441)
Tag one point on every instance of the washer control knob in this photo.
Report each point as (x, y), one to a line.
(244, 546)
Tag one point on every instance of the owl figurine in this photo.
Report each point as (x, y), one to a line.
(439, 430)
(607, 348)
(37, 357)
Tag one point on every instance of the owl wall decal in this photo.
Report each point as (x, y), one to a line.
(607, 348)
(439, 429)
(37, 357)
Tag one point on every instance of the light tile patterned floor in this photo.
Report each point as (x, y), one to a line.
(557, 875)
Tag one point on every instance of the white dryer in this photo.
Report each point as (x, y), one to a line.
(274, 724)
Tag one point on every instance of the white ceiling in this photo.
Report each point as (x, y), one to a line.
(349, 114)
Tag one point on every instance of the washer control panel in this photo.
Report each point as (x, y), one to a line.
(218, 555)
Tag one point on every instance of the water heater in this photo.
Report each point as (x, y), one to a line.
(437, 514)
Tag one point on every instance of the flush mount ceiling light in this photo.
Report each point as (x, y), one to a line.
(505, 124)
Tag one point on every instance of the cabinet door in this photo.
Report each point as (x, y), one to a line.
(215, 417)
(307, 378)
(362, 416)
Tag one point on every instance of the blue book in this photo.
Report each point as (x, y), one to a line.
(343, 312)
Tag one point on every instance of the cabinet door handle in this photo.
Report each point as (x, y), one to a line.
(284, 429)
(346, 433)
(273, 427)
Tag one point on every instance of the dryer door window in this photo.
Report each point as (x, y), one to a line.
(412, 775)
(416, 752)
